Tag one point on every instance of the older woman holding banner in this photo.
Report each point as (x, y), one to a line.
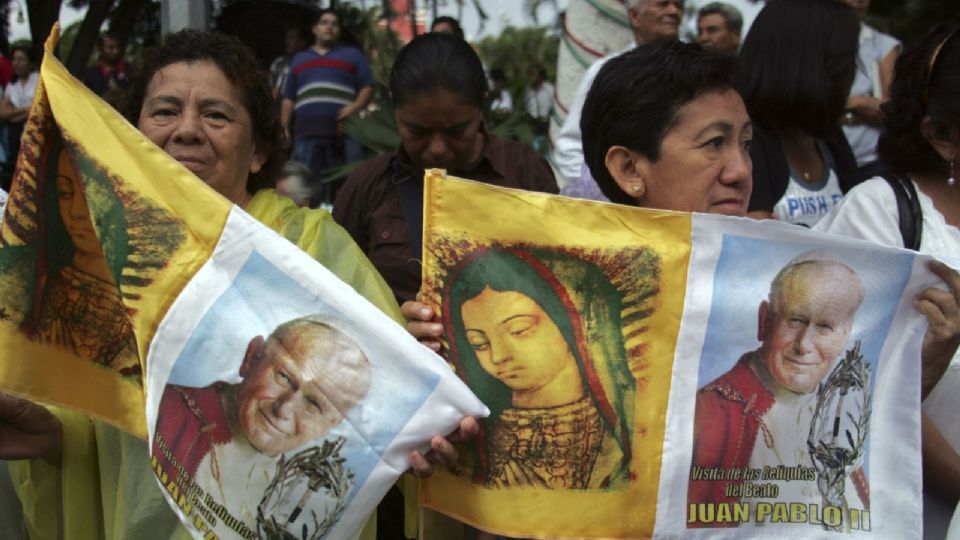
(198, 99)
(664, 127)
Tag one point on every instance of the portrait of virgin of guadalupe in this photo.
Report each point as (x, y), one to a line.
(538, 336)
(73, 300)
(78, 307)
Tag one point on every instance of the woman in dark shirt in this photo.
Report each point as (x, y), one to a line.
(799, 60)
(438, 86)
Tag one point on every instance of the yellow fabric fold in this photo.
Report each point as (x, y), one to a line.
(109, 490)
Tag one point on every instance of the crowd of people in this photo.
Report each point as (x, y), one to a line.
(854, 135)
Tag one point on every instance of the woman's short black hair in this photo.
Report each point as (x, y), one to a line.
(241, 68)
(799, 60)
(635, 98)
(437, 60)
(918, 92)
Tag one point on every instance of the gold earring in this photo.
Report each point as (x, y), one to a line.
(636, 187)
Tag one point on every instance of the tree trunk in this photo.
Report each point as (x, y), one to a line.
(124, 19)
(42, 13)
(413, 18)
(86, 39)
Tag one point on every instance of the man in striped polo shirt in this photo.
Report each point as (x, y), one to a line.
(327, 83)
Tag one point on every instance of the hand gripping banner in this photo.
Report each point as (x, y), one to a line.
(277, 400)
(660, 374)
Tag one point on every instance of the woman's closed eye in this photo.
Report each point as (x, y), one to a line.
(521, 325)
(478, 340)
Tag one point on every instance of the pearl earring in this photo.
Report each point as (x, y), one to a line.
(951, 180)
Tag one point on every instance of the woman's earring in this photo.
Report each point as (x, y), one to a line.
(635, 187)
(952, 179)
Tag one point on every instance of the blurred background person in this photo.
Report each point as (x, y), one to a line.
(501, 103)
(650, 20)
(327, 83)
(798, 62)
(718, 27)
(294, 41)
(294, 182)
(17, 98)
(538, 100)
(871, 87)
(109, 72)
(447, 25)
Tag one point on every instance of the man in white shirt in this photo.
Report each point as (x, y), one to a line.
(650, 20)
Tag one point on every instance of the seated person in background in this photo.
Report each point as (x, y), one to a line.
(871, 87)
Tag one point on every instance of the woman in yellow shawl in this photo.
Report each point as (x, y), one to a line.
(199, 99)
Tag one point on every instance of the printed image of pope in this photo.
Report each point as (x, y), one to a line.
(231, 439)
(759, 413)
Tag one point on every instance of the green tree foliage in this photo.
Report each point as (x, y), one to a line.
(910, 20)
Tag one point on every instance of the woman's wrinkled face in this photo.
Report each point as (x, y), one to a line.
(704, 163)
(440, 129)
(195, 114)
(514, 339)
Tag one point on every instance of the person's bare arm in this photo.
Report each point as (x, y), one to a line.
(286, 114)
(941, 464)
(886, 71)
(364, 97)
(942, 310)
(7, 110)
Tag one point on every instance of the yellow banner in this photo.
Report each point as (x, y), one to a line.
(102, 231)
(513, 274)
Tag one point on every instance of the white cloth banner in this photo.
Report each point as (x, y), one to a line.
(280, 403)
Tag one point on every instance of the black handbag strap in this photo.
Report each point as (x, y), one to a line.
(908, 210)
(411, 202)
